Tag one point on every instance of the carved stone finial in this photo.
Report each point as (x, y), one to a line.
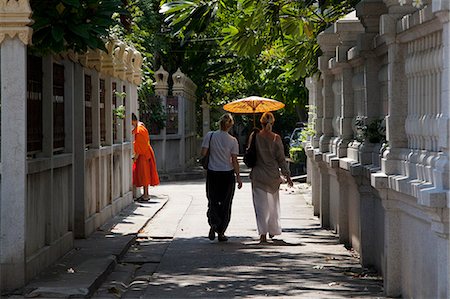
(137, 68)
(94, 59)
(183, 85)
(14, 20)
(161, 85)
(107, 58)
(119, 59)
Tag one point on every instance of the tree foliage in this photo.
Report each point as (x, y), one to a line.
(60, 25)
(269, 46)
(283, 29)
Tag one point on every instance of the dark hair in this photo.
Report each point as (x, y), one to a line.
(134, 117)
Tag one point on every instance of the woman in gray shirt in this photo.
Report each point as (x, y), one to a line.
(220, 178)
(266, 179)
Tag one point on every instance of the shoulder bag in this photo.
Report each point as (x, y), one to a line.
(204, 161)
(250, 152)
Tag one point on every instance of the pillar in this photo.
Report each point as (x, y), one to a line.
(397, 88)
(179, 80)
(442, 10)
(14, 38)
(324, 195)
(348, 29)
(328, 41)
(79, 152)
(206, 116)
(392, 263)
(162, 90)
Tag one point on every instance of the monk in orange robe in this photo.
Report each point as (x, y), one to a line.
(145, 173)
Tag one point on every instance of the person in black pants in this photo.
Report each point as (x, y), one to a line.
(222, 175)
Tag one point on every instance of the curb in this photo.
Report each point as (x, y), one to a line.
(83, 269)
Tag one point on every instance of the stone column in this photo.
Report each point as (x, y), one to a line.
(206, 116)
(442, 10)
(347, 29)
(369, 12)
(14, 38)
(79, 152)
(108, 112)
(47, 106)
(129, 107)
(314, 85)
(95, 100)
(179, 80)
(347, 111)
(324, 195)
(392, 263)
(328, 107)
(68, 105)
(162, 90)
(397, 87)
(368, 223)
(328, 41)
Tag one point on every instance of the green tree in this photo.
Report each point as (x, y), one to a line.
(61, 25)
(270, 46)
(286, 29)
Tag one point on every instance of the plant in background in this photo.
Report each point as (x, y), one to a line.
(310, 129)
(157, 115)
(416, 3)
(373, 132)
(119, 112)
(151, 111)
(297, 154)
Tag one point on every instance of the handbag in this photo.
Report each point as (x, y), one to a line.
(250, 152)
(204, 161)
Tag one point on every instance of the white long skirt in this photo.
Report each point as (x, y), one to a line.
(267, 210)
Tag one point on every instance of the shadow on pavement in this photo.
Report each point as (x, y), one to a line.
(196, 267)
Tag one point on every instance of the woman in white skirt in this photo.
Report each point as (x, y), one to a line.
(266, 179)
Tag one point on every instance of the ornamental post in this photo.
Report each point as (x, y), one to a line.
(15, 35)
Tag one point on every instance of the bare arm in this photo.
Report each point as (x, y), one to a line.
(204, 151)
(236, 170)
(282, 162)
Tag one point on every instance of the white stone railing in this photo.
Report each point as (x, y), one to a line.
(423, 67)
(383, 198)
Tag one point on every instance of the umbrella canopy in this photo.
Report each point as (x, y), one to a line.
(253, 104)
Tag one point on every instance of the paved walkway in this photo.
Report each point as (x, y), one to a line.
(173, 258)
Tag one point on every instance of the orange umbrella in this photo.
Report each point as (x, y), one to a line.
(253, 105)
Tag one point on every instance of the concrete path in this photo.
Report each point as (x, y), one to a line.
(82, 270)
(173, 258)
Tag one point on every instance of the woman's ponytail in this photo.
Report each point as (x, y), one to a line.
(267, 120)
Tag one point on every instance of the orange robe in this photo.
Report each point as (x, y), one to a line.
(144, 168)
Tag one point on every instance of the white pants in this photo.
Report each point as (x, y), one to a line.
(267, 210)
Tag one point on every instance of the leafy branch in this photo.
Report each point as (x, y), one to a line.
(78, 25)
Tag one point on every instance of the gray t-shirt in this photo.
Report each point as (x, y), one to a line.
(223, 145)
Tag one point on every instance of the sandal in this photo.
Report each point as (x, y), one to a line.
(142, 199)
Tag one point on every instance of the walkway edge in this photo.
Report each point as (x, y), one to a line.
(83, 269)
